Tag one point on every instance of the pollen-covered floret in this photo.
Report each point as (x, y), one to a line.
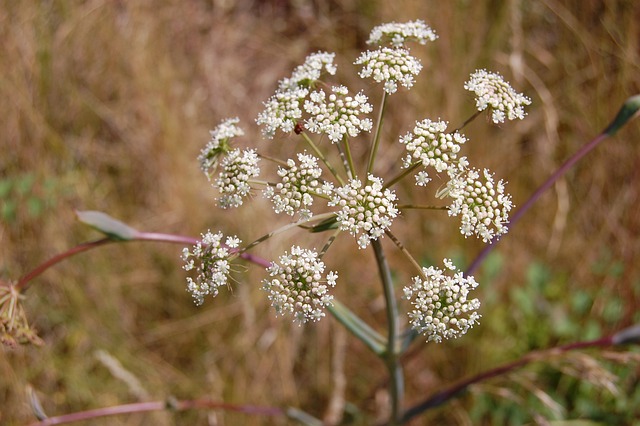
(297, 285)
(365, 211)
(233, 182)
(481, 203)
(337, 114)
(398, 34)
(299, 184)
(432, 145)
(496, 94)
(218, 145)
(211, 261)
(441, 307)
(392, 66)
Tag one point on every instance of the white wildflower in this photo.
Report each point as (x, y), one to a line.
(481, 203)
(496, 94)
(365, 211)
(211, 261)
(432, 145)
(338, 114)
(392, 66)
(300, 183)
(233, 182)
(218, 145)
(441, 307)
(297, 285)
(398, 34)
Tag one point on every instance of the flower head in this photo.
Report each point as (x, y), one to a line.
(441, 308)
(211, 261)
(392, 66)
(431, 144)
(238, 167)
(365, 211)
(337, 114)
(496, 94)
(480, 201)
(300, 183)
(307, 74)
(398, 34)
(218, 145)
(297, 285)
(283, 110)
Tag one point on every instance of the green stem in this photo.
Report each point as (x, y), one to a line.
(285, 228)
(402, 175)
(376, 140)
(347, 150)
(392, 360)
(414, 207)
(322, 157)
(404, 251)
(469, 120)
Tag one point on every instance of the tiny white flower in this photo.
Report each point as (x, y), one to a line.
(481, 203)
(297, 286)
(432, 145)
(391, 66)
(422, 178)
(218, 145)
(299, 184)
(496, 94)
(398, 34)
(211, 261)
(441, 305)
(238, 167)
(365, 211)
(337, 114)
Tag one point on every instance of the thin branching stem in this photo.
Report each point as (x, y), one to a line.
(321, 156)
(376, 138)
(469, 120)
(404, 251)
(404, 173)
(347, 150)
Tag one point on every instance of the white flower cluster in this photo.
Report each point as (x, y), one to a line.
(338, 114)
(218, 145)
(496, 94)
(392, 66)
(365, 211)
(213, 264)
(298, 186)
(482, 203)
(398, 34)
(297, 286)
(238, 167)
(430, 144)
(283, 110)
(441, 308)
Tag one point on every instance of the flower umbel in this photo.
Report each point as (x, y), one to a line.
(211, 261)
(398, 34)
(365, 211)
(441, 308)
(297, 286)
(392, 66)
(430, 144)
(338, 114)
(496, 94)
(483, 205)
(218, 145)
(300, 183)
(238, 167)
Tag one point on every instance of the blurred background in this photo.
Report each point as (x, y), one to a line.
(106, 105)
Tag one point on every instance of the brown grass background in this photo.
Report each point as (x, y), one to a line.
(106, 104)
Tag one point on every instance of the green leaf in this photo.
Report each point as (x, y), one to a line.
(626, 113)
(112, 228)
(325, 225)
(358, 327)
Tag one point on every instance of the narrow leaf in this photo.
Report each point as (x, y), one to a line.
(112, 228)
(627, 112)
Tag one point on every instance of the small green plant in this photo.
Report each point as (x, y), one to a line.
(325, 188)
